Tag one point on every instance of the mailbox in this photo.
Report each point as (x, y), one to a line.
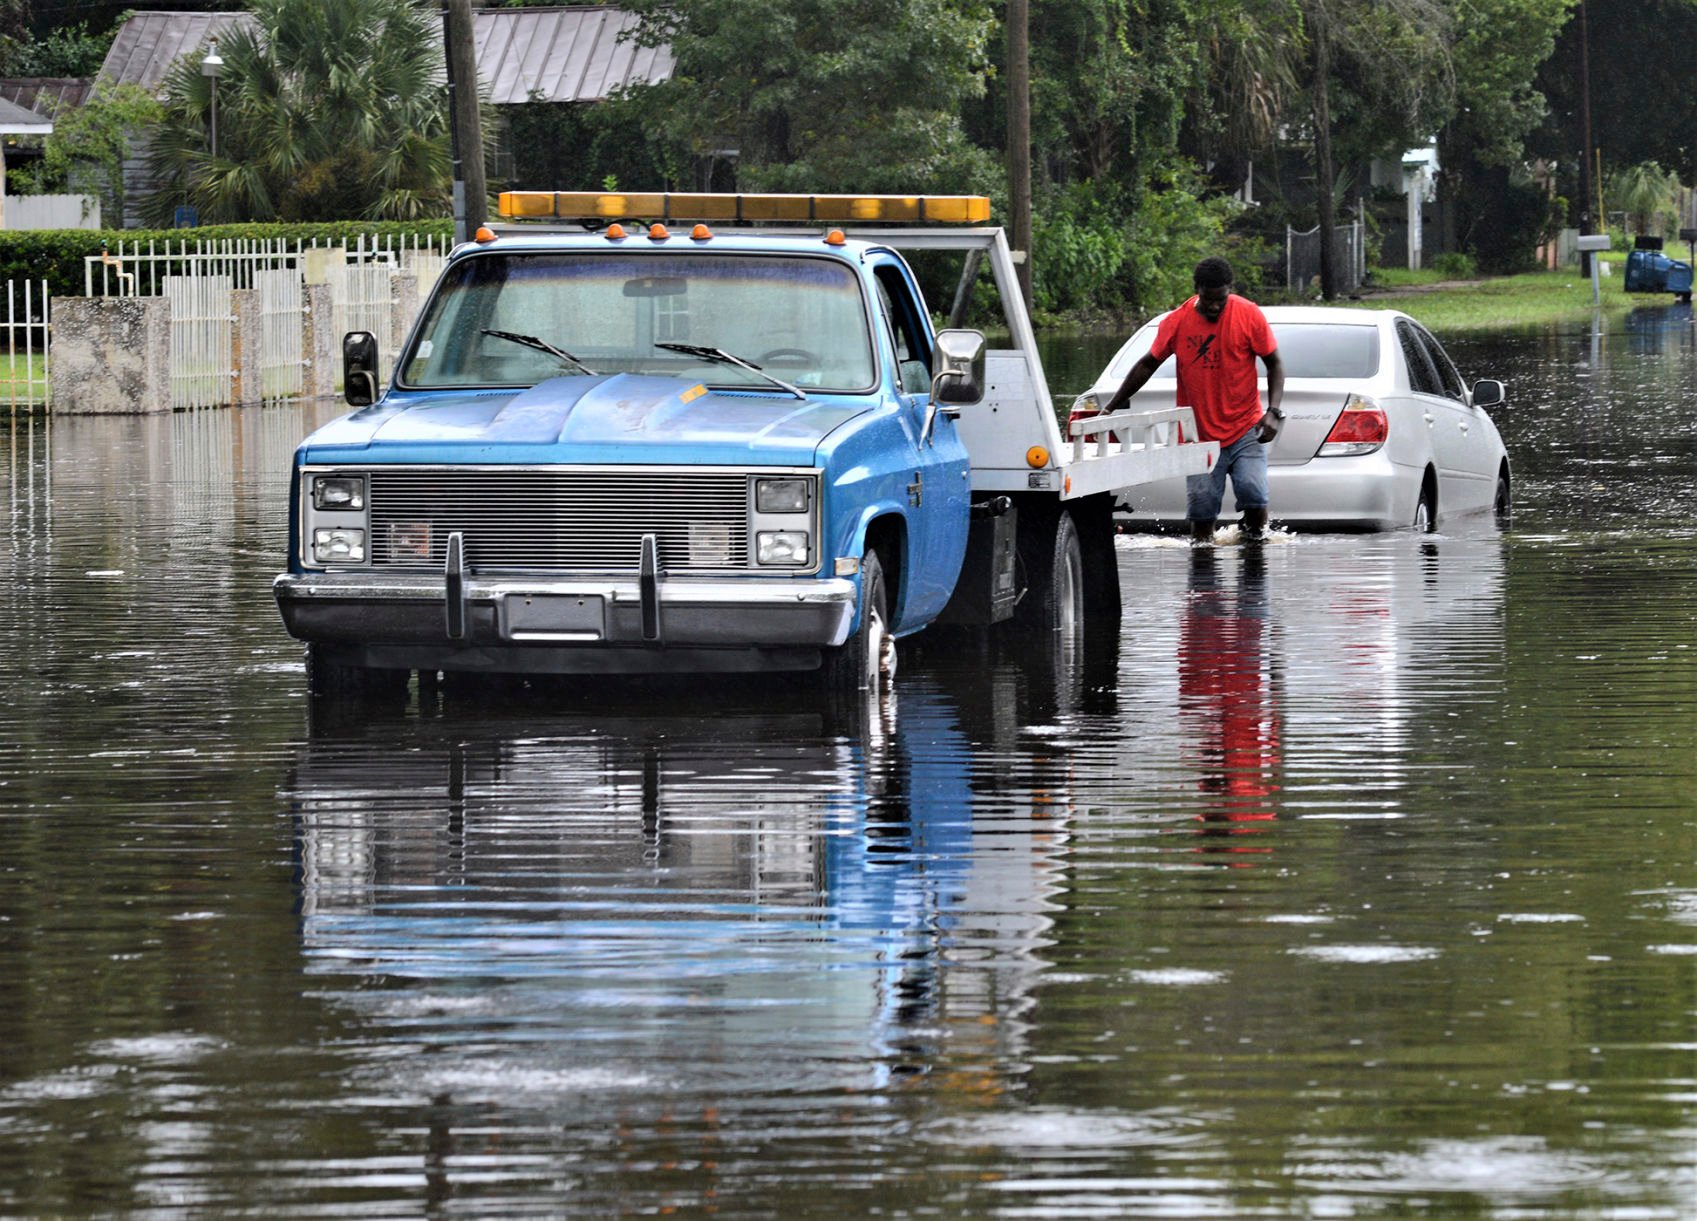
(1593, 241)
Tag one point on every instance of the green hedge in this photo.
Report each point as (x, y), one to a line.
(56, 255)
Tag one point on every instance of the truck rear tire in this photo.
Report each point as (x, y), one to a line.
(867, 660)
(1054, 595)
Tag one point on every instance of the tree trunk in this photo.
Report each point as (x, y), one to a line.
(1324, 175)
(1019, 140)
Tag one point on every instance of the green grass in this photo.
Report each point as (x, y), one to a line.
(23, 378)
(1503, 302)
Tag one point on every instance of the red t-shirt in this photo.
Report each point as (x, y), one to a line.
(1216, 364)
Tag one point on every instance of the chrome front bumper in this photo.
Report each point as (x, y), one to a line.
(545, 625)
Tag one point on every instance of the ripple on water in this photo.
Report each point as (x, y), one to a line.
(1365, 954)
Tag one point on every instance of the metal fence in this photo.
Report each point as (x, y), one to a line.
(23, 381)
(197, 276)
(1302, 257)
(281, 358)
(138, 269)
(363, 297)
(203, 367)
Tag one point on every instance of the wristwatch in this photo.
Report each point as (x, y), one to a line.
(1278, 413)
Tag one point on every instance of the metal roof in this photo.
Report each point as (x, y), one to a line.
(17, 120)
(572, 54)
(44, 94)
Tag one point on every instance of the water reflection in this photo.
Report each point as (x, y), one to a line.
(723, 904)
(1227, 709)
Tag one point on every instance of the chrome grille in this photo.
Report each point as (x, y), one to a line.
(577, 519)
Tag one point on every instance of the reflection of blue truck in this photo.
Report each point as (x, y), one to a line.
(1648, 270)
(634, 448)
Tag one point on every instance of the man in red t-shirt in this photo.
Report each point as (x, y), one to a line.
(1215, 337)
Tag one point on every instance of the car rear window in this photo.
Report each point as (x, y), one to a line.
(1308, 349)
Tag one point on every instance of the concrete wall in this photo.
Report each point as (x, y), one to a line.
(111, 355)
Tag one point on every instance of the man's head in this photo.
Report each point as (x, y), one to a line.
(1213, 279)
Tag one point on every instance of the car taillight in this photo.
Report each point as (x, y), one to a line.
(1361, 428)
(1085, 407)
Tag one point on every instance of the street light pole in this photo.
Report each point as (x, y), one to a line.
(212, 67)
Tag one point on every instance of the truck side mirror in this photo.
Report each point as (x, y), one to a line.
(957, 367)
(359, 368)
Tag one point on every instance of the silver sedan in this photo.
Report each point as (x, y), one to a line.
(1380, 431)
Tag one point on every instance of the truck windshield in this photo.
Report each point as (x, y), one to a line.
(801, 319)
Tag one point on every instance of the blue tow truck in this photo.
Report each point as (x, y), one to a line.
(703, 433)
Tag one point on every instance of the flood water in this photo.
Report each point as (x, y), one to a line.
(1358, 881)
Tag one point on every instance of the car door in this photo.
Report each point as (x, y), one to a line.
(935, 481)
(1442, 411)
(1476, 455)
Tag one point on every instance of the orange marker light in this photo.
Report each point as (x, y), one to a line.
(484, 234)
(1037, 456)
(835, 238)
(701, 233)
(658, 232)
(615, 232)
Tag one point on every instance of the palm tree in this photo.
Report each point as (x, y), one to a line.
(1645, 192)
(327, 110)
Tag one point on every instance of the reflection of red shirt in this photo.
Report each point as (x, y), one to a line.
(1216, 364)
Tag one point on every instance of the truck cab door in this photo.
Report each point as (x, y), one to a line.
(936, 488)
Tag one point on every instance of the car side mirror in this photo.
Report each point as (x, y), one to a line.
(957, 367)
(359, 368)
(1488, 393)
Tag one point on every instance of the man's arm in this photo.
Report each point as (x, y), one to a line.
(1274, 419)
(1139, 373)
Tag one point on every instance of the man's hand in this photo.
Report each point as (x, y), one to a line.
(1269, 428)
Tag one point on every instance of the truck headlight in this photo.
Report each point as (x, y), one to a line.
(338, 492)
(781, 495)
(782, 547)
(338, 545)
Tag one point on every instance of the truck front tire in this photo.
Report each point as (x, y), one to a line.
(867, 660)
(333, 680)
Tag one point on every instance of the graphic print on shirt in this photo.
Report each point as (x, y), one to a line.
(1205, 356)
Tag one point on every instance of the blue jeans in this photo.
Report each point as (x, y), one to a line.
(1245, 460)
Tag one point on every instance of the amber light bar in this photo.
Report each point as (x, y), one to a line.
(622, 205)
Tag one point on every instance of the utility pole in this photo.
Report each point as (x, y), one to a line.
(1019, 141)
(471, 193)
(1585, 192)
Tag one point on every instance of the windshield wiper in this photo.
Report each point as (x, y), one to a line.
(722, 357)
(541, 345)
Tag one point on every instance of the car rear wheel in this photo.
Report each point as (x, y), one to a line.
(1426, 511)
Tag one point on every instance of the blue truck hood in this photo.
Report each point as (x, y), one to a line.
(618, 418)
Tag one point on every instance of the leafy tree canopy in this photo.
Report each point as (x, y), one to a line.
(822, 94)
